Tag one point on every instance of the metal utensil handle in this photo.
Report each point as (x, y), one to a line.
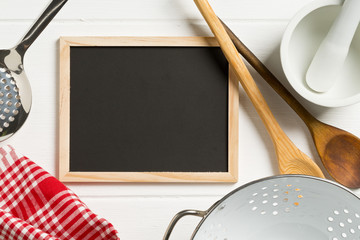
(49, 13)
(179, 215)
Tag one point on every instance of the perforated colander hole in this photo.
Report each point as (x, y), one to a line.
(275, 213)
(285, 199)
(335, 238)
(264, 188)
(275, 196)
(265, 194)
(254, 194)
(275, 204)
(287, 210)
(254, 208)
(276, 190)
(263, 212)
(357, 215)
(2, 70)
(251, 201)
(349, 230)
(265, 201)
(8, 75)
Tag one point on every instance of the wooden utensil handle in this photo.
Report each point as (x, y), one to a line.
(242, 73)
(270, 78)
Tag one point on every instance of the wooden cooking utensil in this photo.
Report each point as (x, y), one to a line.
(339, 150)
(291, 160)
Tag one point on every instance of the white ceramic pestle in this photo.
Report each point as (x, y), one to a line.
(329, 59)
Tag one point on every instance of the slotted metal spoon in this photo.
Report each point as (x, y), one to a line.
(295, 207)
(15, 90)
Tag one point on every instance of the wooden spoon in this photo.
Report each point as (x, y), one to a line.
(339, 150)
(291, 160)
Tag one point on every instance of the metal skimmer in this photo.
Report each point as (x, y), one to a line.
(15, 91)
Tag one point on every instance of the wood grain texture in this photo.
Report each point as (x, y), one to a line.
(291, 159)
(66, 175)
(64, 108)
(338, 149)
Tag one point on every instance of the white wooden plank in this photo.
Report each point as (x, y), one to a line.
(143, 211)
(147, 218)
(256, 154)
(154, 9)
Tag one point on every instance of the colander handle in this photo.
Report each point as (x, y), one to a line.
(179, 215)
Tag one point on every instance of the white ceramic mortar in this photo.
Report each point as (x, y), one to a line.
(302, 38)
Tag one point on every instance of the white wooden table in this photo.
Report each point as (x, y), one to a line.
(143, 211)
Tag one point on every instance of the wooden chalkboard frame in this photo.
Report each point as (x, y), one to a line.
(66, 175)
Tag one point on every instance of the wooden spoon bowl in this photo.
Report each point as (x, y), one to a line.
(339, 152)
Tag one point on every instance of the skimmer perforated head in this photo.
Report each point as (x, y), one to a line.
(10, 100)
(283, 208)
(15, 91)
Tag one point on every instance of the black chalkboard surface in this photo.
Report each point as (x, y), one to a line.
(157, 110)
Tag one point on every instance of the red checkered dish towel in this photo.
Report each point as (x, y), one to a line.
(34, 205)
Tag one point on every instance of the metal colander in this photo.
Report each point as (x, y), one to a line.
(280, 208)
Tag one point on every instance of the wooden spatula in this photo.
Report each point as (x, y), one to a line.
(291, 160)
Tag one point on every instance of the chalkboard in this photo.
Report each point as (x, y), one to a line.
(147, 109)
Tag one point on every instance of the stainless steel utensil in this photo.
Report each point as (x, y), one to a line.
(15, 91)
(280, 208)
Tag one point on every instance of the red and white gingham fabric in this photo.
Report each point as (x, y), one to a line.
(36, 206)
